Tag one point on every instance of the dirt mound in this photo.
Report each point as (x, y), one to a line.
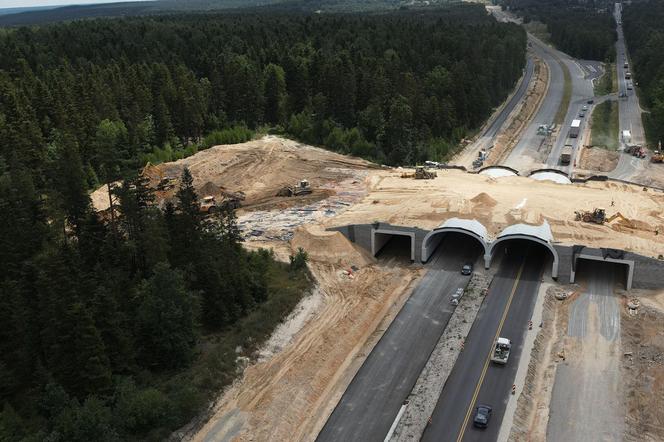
(209, 188)
(483, 199)
(598, 159)
(328, 246)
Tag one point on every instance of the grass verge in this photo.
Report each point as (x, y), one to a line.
(604, 132)
(567, 95)
(607, 83)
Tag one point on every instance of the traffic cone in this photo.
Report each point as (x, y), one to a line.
(513, 389)
(530, 325)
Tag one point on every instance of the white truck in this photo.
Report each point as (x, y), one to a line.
(574, 128)
(626, 136)
(501, 351)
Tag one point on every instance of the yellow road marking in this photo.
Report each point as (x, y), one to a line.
(488, 358)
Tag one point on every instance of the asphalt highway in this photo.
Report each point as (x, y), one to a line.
(475, 380)
(372, 401)
(629, 113)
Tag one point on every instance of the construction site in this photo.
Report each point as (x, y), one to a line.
(288, 196)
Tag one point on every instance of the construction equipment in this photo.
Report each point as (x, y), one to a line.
(301, 188)
(209, 204)
(657, 157)
(566, 154)
(620, 216)
(423, 174)
(597, 216)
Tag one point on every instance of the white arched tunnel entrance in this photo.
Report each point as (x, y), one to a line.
(474, 229)
(538, 234)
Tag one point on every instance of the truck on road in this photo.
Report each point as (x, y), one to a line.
(501, 351)
(574, 128)
(626, 136)
(566, 154)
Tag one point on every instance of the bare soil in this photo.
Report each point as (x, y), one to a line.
(598, 160)
(289, 393)
(428, 203)
(643, 369)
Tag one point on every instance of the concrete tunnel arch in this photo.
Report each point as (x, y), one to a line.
(470, 227)
(538, 234)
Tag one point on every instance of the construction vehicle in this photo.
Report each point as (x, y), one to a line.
(422, 173)
(597, 216)
(209, 204)
(301, 188)
(501, 351)
(657, 157)
(574, 129)
(626, 136)
(636, 151)
(566, 154)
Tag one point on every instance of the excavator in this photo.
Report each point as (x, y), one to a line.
(598, 216)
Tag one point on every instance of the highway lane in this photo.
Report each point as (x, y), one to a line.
(629, 111)
(488, 135)
(475, 380)
(527, 150)
(372, 400)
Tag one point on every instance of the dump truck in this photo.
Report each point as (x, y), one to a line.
(210, 205)
(566, 154)
(501, 351)
(575, 128)
(301, 188)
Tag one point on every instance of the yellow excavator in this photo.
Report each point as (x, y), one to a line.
(598, 216)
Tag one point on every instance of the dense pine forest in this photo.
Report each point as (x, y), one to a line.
(643, 24)
(123, 327)
(582, 29)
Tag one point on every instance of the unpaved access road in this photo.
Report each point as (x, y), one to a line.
(588, 397)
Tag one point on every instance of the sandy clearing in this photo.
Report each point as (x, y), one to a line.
(428, 203)
(597, 160)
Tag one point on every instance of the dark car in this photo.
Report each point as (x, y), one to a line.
(482, 416)
(591, 101)
(467, 269)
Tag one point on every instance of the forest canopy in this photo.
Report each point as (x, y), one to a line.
(396, 88)
(644, 34)
(582, 29)
(123, 325)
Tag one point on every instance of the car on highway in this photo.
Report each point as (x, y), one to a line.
(591, 101)
(467, 269)
(584, 108)
(482, 416)
(582, 114)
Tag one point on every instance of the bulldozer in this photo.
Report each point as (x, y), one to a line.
(301, 188)
(421, 173)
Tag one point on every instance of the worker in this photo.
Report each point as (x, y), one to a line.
(613, 203)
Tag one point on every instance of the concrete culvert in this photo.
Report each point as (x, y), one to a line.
(392, 243)
(452, 250)
(612, 271)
